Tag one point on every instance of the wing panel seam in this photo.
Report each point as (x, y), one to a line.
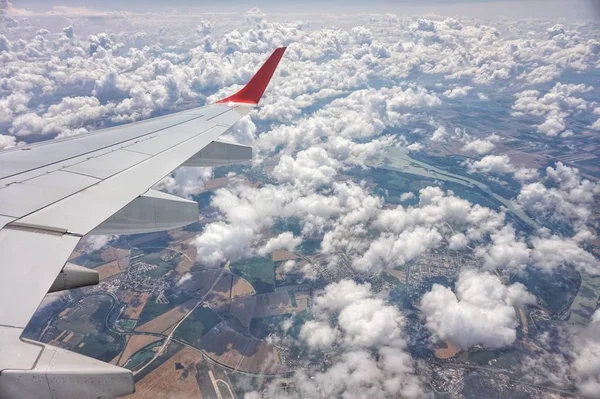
(101, 148)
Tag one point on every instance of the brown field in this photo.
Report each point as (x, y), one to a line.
(282, 255)
(449, 351)
(136, 304)
(134, 344)
(76, 253)
(68, 337)
(399, 274)
(225, 346)
(216, 183)
(168, 319)
(108, 269)
(168, 382)
(220, 296)
(278, 303)
(185, 264)
(240, 352)
(241, 287)
(242, 308)
(262, 357)
(201, 281)
(112, 253)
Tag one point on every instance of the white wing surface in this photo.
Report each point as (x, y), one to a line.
(54, 193)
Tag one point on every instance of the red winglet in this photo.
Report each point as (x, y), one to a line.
(254, 89)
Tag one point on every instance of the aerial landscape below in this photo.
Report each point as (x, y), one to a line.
(420, 217)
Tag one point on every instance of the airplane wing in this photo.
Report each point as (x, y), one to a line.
(55, 192)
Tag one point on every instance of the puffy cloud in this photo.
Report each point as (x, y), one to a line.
(505, 250)
(282, 241)
(586, 365)
(458, 92)
(479, 146)
(318, 334)
(185, 181)
(7, 141)
(563, 196)
(500, 164)
(93, 243)
(556, 105)
(312, 167)
(480, 312)
(553, 252)
(366, 348)
(220, 242)
(495, 164)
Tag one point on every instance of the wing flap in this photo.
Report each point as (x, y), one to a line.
(110, 195)
(31, 260)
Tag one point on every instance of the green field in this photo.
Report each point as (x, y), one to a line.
(142, 356)
(153, 257)
(126, 324)
(153, 309)
(260, 272)
(87, 316)
(87, 321)
(293, 300)
(262, 327)
(201, 321)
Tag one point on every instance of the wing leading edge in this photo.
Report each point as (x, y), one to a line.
(54, 193)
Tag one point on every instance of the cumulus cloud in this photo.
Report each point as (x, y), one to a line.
(458, 92)
(366, 348)
(586, 366)
(94, 243)
(495, 164)
(553, 252)
(185, 181)
(480, 311)
(563, 196)
(555, 106)
(220, 242)
(479, 146)
(313, 167)
(282, 241)
(498, 165)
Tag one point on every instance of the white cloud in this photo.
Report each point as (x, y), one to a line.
(185, 181)
(312, 168)
(586, 365)
(366, 348)
(553, 252)
(479, 146)
(481, 312)
(557, 104)
(220, 242)
(564, 196)
(284, 240)
(495, 164)
(458, 92)
(93, 243)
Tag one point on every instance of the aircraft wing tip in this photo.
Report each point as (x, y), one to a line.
(252, 92)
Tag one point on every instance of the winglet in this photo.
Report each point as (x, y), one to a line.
(254, 89)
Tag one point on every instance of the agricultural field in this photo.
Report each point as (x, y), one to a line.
(175, 378)
(260, 272)
(167, 319)
(202, 320)
(134, 344)
(153, 309)
(135, 303)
